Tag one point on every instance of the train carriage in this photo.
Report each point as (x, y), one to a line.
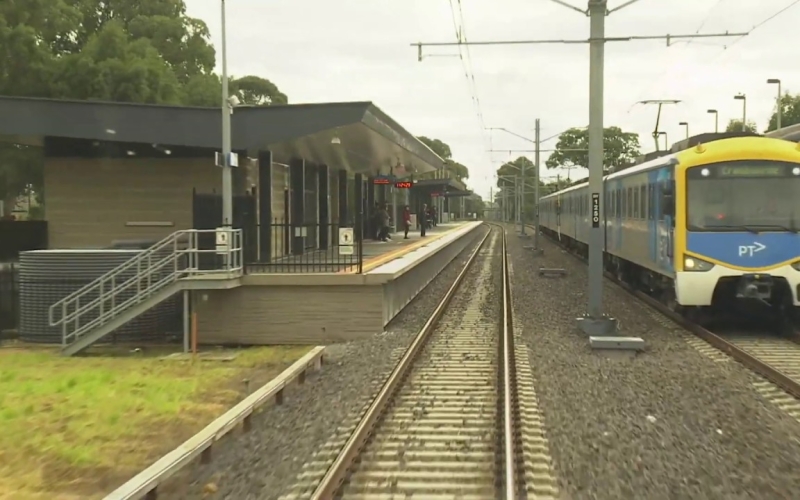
(701, 227)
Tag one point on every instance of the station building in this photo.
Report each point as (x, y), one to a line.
(129, 174)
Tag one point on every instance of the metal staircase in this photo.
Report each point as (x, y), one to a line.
(171, 265)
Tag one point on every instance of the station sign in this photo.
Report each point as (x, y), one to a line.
(346, 241)
(383, 180)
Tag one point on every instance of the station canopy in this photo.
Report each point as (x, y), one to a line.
(443, 187)
(357, 136)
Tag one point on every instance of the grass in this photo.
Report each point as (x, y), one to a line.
(78, 427)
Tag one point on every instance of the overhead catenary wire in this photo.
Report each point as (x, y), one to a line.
(726, 47)
(459, 25)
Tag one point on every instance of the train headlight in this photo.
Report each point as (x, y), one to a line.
(796, 265)
(696, 265)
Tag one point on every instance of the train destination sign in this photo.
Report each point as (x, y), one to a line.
(752, 171)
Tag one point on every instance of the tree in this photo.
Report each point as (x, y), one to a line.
(736, 126)
(437, 146)
(790, 112)
(505, 182)
(143, 51)
(620, 149)
(458, 170)
(442, 149)
(257, 91)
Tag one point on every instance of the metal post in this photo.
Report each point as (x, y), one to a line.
(227, 180)
(780, 111)
(537, 172)
(522, 201)
(595, 323)
(187, 321)
(744, 114)
(517, 198)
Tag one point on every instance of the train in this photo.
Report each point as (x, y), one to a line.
(707, 227)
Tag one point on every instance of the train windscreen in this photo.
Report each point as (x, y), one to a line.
(754, 195)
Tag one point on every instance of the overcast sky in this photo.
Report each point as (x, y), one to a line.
(355, 50)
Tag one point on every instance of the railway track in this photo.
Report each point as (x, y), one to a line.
(453, 420)
(774, 358)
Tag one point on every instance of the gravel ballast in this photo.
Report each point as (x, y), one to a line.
(264, 463)
(669, 423)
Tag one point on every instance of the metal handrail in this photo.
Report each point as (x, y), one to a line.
(155, 273)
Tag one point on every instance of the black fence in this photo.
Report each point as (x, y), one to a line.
(284, 247)
(9, 299)
(19, 236)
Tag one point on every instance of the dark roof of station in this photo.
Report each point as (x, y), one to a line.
(369, 140)
(452, 187)
(790, 133)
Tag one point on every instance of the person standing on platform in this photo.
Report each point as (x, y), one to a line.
(374, 222)
(406, 220)
(383, 224)
(423, 219)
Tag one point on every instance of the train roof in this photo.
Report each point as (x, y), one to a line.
(715, 148)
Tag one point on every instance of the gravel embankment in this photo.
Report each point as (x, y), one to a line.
(667, 424)
(265, 462)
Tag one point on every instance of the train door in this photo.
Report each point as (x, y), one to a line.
(663, 233)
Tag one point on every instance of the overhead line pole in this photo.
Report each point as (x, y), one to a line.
(594, 323)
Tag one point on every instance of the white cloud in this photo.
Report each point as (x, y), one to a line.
(316, 51)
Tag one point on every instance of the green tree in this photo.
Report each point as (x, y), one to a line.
(620, 149)
(505, 181)
(790, 112)
(437, 146)
(736, 126)
(442, 149)
(458, 170)
(257, 91)
(145, 51)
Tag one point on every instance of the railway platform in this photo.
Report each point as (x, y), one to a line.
(320, 308)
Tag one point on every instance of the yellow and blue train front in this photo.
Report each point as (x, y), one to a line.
(752, 264)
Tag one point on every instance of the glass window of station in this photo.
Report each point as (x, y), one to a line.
(752, 195)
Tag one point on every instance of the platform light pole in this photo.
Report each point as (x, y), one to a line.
(779, 111)
(686, 127)
(227, 176)
(743, 98)
(594, 323)
(716, 119)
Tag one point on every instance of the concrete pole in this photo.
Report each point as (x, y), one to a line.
(595, 323)
(522, 200)
(744, 113)
(536, 186)
(227, 177)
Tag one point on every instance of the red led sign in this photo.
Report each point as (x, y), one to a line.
(380, 180)
(403, 184)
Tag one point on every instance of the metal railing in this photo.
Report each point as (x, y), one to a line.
(9, 297)
(176, 257)
(285, 247)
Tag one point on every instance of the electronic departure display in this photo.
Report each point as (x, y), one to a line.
(403, 184)
(381, 180)
(751, 171)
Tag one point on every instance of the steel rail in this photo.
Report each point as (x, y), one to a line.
(338, 471)
(750, 361)
(508, 387)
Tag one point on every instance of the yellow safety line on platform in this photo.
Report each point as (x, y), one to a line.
(382, 259)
